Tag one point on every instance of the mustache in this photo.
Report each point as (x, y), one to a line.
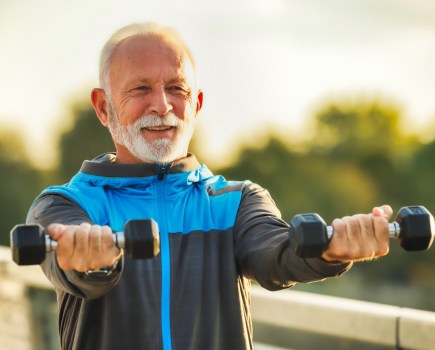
(152, 120)
(147, 120)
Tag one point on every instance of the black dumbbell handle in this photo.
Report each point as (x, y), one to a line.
(118, 238)
(393, 230)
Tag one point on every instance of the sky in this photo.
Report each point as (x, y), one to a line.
(262, 64)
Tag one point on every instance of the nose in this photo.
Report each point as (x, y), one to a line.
(160, 103)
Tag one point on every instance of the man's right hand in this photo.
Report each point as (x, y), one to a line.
(84, 247)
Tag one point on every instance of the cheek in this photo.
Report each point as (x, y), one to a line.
(131, 111)
(184, 110)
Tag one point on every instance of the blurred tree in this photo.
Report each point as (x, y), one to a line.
(368, 136)
(304, 182)
(353, 131)
(195, 146)
(85, 140)
(19, 183)
(421, 175)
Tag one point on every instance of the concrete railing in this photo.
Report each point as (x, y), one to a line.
(28, 311)
(279, 317)
(363, 322)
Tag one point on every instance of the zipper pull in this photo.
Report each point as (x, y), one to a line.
(162, 168)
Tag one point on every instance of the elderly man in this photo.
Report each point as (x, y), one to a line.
(216, 235)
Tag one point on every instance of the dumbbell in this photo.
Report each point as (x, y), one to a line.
(29, 243)
(309, 235)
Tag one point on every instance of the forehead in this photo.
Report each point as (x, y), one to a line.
(150, 58)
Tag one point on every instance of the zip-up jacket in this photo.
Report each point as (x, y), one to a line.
(216, 236)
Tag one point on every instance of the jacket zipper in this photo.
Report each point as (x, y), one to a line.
(165, 258)
(162, 169)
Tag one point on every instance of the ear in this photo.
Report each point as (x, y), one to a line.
(199, 98)
(98, 99)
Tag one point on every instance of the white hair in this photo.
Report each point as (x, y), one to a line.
(141, 30)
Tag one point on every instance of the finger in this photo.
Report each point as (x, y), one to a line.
(337, 246)
(111, 251)
(81, 247)
(107, 237)
(81, 239)
(55, 231)
(366, 227)
(65, 246)
(384, 210)
(380, 226)
(95, 247)
(368, 239)
(356, 233)
(353, 227)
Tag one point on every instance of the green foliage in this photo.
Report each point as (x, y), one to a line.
(19, 182)
(421, 175)
(367, 136)
(303, 182)
(357, 131)
(87, 139)
(357, 158)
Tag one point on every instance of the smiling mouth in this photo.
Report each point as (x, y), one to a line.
(158, 128)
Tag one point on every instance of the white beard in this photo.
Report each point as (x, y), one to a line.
(159, 151)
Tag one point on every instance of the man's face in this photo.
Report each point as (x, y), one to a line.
(153, 105)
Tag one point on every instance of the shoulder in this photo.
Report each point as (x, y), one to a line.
(256, 198)
(219, 185)
(53, 207)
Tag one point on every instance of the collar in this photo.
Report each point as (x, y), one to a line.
(104, 165)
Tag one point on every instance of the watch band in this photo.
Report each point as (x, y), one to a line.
(106, 270)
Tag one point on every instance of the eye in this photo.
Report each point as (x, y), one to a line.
(175, 88)
(179, 90)
(141, 88)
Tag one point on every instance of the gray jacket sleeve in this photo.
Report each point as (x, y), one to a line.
(54, 208)
(263, 249)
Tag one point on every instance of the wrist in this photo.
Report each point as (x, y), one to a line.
(107, 270)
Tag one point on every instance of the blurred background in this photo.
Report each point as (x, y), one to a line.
(328, 104)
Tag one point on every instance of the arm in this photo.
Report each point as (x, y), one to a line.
(77, 249)
(262, 246)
